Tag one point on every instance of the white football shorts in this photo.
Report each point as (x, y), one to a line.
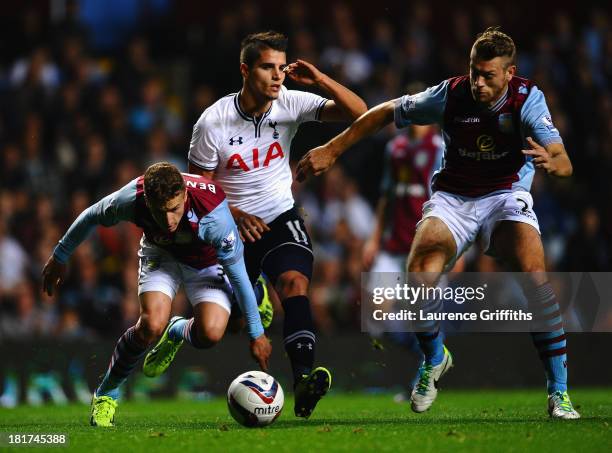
(160, 271)
(471, 219)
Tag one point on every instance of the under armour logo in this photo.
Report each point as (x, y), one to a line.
(308, 345)
(272, 124)
(235, 140)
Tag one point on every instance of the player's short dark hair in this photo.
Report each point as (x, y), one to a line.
(162, 182)
(493, 43)
(252, 45)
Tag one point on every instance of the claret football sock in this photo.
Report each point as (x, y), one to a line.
(299, 336)
(128, 352)
(549, 337)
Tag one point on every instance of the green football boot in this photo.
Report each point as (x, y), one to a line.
(310, 389)
(161, 356)
(266, 309)
(102, 411)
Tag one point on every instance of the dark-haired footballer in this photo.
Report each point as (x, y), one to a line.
(243, 141)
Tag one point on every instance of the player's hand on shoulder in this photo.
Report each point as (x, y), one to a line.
(261, 349)
(250, 226)
(53, 275)
(316, 162)
(303, 73)
(541, 157)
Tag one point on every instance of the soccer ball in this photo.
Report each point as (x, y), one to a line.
(255, 399)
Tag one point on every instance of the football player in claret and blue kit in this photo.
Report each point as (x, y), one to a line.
(190, 239)
(243, 142)
(497, 131)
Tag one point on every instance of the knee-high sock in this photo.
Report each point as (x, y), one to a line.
(549, 337)
(432, 345)
(430, 339)
(299, 335)
(128, 352)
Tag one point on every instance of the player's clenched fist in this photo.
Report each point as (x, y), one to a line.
(261, 349)
(315, 162)
(53, 275)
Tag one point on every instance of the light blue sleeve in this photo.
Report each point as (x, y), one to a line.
(438, 162)
(426, 107)
(218, 229)
(109, 211)
(536, 121)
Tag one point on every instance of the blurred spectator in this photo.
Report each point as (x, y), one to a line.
(587, 249)
(92, 92)
(14, 262)
(97, 303)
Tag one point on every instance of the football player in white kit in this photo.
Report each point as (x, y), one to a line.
(243, 141)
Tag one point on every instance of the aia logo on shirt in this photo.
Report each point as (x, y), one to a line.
(236, 160)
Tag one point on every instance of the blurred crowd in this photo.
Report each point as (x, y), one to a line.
(82, 114)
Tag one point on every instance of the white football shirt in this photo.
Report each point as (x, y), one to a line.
(250, 155)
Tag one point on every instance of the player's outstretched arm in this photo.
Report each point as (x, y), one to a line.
(218, 229)
(320, 159)
(552, 158)
(109, 211)
(345, 105)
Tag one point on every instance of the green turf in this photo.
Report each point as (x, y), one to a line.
(460, 421)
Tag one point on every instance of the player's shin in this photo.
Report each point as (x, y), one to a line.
(299, 336)
(128, 352)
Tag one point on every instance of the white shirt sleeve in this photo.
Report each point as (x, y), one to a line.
(305, 106)
(204, 149)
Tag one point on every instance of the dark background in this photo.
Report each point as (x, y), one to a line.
(92, 92)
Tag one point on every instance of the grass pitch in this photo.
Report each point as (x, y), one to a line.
(459, 421)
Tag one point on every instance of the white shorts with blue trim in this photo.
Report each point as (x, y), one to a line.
(472, 219)
(160, 271)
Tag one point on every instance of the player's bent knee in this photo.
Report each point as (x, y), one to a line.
(213, 336)
(290, 284)
(148, 330)
(207, 337)
(431, 259)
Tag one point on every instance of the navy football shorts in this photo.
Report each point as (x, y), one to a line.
(286, 247)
